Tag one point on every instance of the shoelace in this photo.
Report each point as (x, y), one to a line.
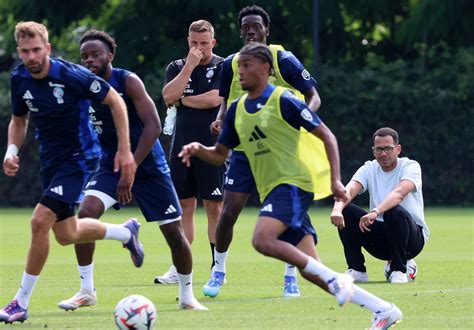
(11, 306)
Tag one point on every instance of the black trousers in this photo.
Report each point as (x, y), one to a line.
(398, 238)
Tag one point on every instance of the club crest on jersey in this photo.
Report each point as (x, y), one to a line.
(95, 87)
(306, 114)
(305, 74)
(210, 74)
(58, 93)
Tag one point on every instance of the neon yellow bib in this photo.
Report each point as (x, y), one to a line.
(316, 158)
(272, 147)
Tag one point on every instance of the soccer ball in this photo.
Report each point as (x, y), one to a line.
(412, 270)
(135, 312)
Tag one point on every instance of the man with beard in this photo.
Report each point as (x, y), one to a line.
(152, 188)
(52, 92)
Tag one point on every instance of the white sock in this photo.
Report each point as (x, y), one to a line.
(185, 287)
(290, 270)
(368, 300)
(26, 288)
(316, 268)
(220, 260)
(87, 277)
(117, 232)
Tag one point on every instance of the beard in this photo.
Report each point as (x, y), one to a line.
(37, 69)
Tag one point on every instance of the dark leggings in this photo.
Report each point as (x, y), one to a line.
(398, 238)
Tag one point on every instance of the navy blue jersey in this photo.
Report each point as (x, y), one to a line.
(294, 111)
(57, 104)
(102, 119)
(291, 69)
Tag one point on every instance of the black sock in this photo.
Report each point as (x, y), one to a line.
(212, 251)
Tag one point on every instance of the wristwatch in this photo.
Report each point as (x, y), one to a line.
(376, 210)
(180, 101)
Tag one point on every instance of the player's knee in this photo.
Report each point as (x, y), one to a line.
(262, 245)
(64, 239)
(39, 226)
(90, 211)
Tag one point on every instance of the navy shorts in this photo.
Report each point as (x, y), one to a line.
(290, 205)
(155, 194)
(200, 179)
(239, 177)
(65, 182)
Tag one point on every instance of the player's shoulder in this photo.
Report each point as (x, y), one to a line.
(179, 63)
(216, 59)
(289, 98)
(19, 71)
(66, 71)
(229, 58)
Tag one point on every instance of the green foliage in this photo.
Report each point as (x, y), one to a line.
(430, 102)
(399, 63)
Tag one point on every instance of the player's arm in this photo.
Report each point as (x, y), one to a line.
(332, 151)
(294, 73)
(207, 100)
(16, 136)
(215, 155)
(312, 99)
(216, 125)
(173, 90)
(353, 188)
(124, 161)
(148, 115)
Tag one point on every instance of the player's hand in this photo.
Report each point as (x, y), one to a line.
(366, 221)
(339, 191)
(188, 151)
(11, 165)
(194, 57)
(216, 127)
(337, 219)
(125, 163)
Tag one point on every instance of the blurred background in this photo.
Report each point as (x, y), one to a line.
(407, 64)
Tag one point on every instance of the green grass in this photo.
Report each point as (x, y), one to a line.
(441, 297)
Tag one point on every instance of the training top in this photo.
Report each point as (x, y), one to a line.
(102, 119)
(268, 128)
(193, 124)
(288, 69)
(57, 104)
(380, 183)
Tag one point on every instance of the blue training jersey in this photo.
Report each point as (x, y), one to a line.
(58, 107)
(102, 119)
(294, 111)
(291, 69)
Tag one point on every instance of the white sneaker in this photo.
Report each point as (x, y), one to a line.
(412, 270)
(398, 277)
(80, 299)
(359, 277)
(192, 304)
(341, 287)
(170, 277)
(384, 320)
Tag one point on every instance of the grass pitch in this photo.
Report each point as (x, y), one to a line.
(441, 297)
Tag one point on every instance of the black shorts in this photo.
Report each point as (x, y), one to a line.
(200, 179)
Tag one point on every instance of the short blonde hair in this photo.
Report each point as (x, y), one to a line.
(30, 30)
(201, 26)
